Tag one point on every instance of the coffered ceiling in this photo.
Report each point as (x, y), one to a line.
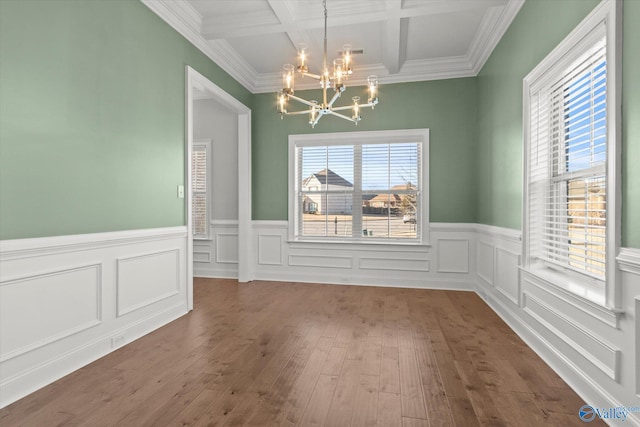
(401, 40)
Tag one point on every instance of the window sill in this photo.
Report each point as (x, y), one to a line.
(373, 244)
(588, 297)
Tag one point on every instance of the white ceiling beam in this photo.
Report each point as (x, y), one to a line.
(413, 8)
(393, 48)
(390, 44)
(282, 10)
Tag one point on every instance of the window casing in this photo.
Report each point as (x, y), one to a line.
(365, 187)
(571, 192)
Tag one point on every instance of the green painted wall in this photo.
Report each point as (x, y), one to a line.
(631, 126)
(446, 107)
(538, 28)
(92, 120)
(92, 117)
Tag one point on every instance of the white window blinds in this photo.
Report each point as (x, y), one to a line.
(358, 191)
(199, 187)
(567, 156)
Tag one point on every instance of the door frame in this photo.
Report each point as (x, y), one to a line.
(245, 253)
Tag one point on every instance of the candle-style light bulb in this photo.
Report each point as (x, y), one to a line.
(313, 114)
(356, 109)
(338, 72)
(372, 82)
(346, 57)
(287, 78)
(282, 103)
(302, 58)
(325, 79)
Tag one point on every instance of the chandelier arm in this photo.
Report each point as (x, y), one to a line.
(348, 107)
(313, 76)
(302, 101)
(294, 113)
(345, 107)
(317, 119)
(369, 104)
(342, 116)
(335, 98)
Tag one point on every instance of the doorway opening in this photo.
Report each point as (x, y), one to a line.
(198, 86)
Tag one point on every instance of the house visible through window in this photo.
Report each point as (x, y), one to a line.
(360, 186)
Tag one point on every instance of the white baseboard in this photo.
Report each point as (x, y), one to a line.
(440, 284)
(216, 274)
(33, 379)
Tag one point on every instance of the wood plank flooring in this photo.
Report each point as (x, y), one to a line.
(291, 354)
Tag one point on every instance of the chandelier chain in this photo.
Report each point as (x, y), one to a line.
(324, 59)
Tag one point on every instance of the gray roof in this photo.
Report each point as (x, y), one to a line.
(327, 176)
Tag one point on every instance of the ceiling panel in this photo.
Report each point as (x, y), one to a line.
(443, 35)
(364, 37)
(267, 53)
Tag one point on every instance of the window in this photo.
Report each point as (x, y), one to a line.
(359, 186)
(571, 153)
(199, 188)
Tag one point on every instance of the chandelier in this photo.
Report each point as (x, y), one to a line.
(334, 79)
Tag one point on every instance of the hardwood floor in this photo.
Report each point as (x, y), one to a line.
(286, 354)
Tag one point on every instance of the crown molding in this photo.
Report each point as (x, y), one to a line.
(183, 18)
(230, 61)
(493, 26)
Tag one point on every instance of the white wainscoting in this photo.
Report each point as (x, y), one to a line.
(218, 256)
(637, 347)
(67, 301)
(143, 280)
(594, 349)
(452, 251)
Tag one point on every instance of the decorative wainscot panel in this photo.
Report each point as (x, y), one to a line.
(217, 255)
(66, 301)
(26, 300)
(399, 265)
(498, 257)
(145, 279)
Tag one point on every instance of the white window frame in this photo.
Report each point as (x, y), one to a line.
(207, 144)
(609, 13)
(368, 137)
